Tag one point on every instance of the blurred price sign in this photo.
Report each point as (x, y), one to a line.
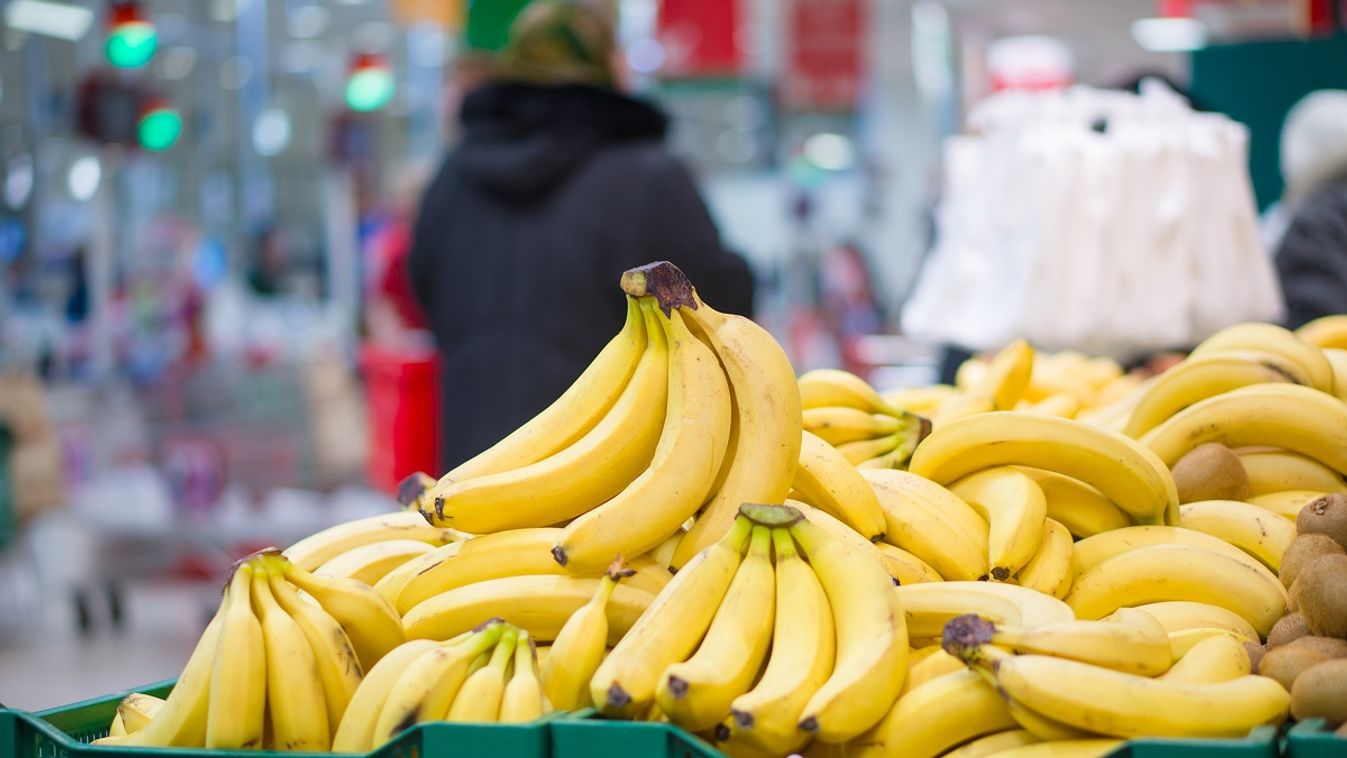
(823, 56)
(446, 13)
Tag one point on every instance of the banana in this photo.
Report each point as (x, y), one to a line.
(942, 537)
(1257, 531)
(929, 606)
(479, 698)
(355, 733)
(425, 689)
(588, 401)
(1124, 471)
(1203, 376)
(522, 701)
(538, 604)
(696, 694)
(766, 440)
(904, 567)
(1082, 748)
(319, 548)
(861, 451)
(369, 563)
(839, 425)
(137, 710)
(1049, 571)
(1180, 643)
(801, 657)
(294, 692)
(370, 622)
(517, 552)
(871, 638)
(1092, 551)
(937, 716)
(580, 647)
(664, 553)
(1215, 659)
(1286, 504)
(116, 729)
(686, 463)
(1325, 332)
(669, 629)
(1179, 572)
(1299, 419)
(1060, 404)
(1013, 505)
(1042, 727)
(830, 388)
(1338, 357)
(828, 482)
(390, 585)
(238, 682)
(1008, 374)
(911, 486)
(921, 400)
(1180, 615)
(1279, 471)
(1082, 509)
(994, 743)
(1129, 647)
(339, 669)
(935, 665)
(579, 477)
(1270, 338)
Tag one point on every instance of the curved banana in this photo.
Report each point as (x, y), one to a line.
(839, 425)
(1325, 332)
(1203, 376)
(871, 638)
(1278, 471)
(577, 478)
(929, 606)
(1215, 659)
(369, 563)
(1092, 551)
(1060, 404)
(1049, 571)
(137, 710)
(860, 451)
(1338, 358)
(339, 669)
(1188, 573)
(909, 485)
(522, 701)
(116, 729)
(479, 698)
(580, 647)
(1180, 643)
(691, 449)
(1109, 643)
(1042, 727)
(1270, 338)
(930, 667)
(696, 694)
(670, 628)
(1299, 419)
(829, 388)
(294, 693)
(1007, 376)
(1013, 505)
(321, 547)
(1286, 504)
(801, 657)
(939, 536)
(1181, 615)
(390, 585)
(370, 622)
(921, 400)
(825, 480)
(937, 716)
(766, 439)
(664, 552)
(904, 567)
(570, 417)
(238, 681)
(994, 743)
(1082, 509)
(1256, 531)
(355, 733)
(1124, 471)
(424, 690)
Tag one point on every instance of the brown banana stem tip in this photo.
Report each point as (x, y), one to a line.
(774, 516)
(618, 697)
(229, 575)
(963, 634)
(488, 623)
(618, 569)
(559, 555)
(662, 280)
(413, 487)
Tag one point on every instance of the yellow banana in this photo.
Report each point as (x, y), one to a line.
(1279, 471)
(355, 733)
(294, 692)
(1180, 615)
(1049, 571)
(909, 485)
(580, 646)
(1286, 504)
(116, 729)
(830, 388)
(371, 623)
(1061, 404)
(1270, 338)
(1082, 509)
(1008, 374)
(369, 563)
(479, 698)
(861, 451)
(1042, 727)
(136, 710)
(238, 682)
(921, 400)
(1109, 643)
(929, 606)
(1338, 358)
(1081, 748)
(828, 482)
(1325, 332)
(664, 553)
(942, 537)
(841, 424)
(1180, 643)
(1013, 505)
(579, 477)
(522, 700)
(424, 690)
(1092, 551)
(390, 585)
(1216, 659)
(904, 567)
(1256, 531)
(994, 743)
(315, 550)
(686, 463)
(930, 667)
(339, 669)
(696, 694)
(937, 716)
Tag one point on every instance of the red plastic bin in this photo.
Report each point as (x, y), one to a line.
(402, 391)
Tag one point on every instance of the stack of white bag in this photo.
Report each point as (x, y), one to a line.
(1093, 220)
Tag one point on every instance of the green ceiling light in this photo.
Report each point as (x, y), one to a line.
(370, 84)
(159, 127)
(132, 37)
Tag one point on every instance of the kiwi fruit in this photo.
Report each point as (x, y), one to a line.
(1288, 629)
(1256, 653)
(1301, 550)
(1342, 731)
(1326, 516)
(1210, 472)
(1286, 662)
(1321, 595)
(1321, 692)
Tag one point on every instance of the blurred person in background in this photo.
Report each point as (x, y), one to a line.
(559, 183)
(1311, 256)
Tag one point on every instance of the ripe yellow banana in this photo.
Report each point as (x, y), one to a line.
(1049, 571)
(1080, 748)
(1060, 404)
(940, 536)
(116, 729)
(994, 743)
(929, 606)
(686, 463)
(1082, 509)
(137, 710)
(921, 400)
(390, 586)
(1279, 471)
(825, 480)
(355, 733)
(1338, 358)
(580, 647)
(839, 425)
(1256, 531)
(369, 563)
(664, 553)
(522, 701)
(1325, 332)
(830, 388)
(339, 669)
(315, 550)
(696, 693)
(480, 696)
(1124, 471)
(1299, 419)
(801, 657)
(1286, 504)
(238, 682)
(1109, 643)
(766, 440)
(294, 692)
(861, 451)
(1216, 659)
(425, 689)
(871, 638)
(1007, 376)
(930, 667)
(931, 719)
(904, 567)
(1179, 572)
(579, 477)
(1180, 643)
(579, 409)
(1203, 376)
(1042, 727)
(1270, 338)
(1180, 615)
(1092, 551)
(370, 622)
(1013, 505)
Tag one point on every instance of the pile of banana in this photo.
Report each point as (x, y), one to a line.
(842, 410)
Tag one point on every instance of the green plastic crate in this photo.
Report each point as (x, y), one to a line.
(1309, 739)
(1261, 743)
(581, 735)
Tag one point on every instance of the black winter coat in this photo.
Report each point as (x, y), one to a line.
(1312, 257)
(523, 236)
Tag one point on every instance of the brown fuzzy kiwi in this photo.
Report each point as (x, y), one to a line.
(1286, 662)
(1321, 595)
(1210, 472)
(1326, 516)
(1321, 692)
(1288, 628)
(1342, 731)
(1256, 653)
(1301, 550)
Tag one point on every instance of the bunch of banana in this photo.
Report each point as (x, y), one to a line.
(133, 713)
(842, 410)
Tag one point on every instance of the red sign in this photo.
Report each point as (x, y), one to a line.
(700, 37)
(823, 56)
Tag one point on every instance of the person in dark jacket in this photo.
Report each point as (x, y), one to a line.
(1312, 255)
(559, 184)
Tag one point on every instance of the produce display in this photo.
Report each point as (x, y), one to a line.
(1049, 558)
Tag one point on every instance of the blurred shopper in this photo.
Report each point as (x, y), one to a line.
(1312, 255)
(559, 184)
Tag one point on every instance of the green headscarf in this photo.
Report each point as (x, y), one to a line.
(556, 42)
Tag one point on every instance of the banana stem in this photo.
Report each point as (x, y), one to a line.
(771, 516)
(664, 281)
